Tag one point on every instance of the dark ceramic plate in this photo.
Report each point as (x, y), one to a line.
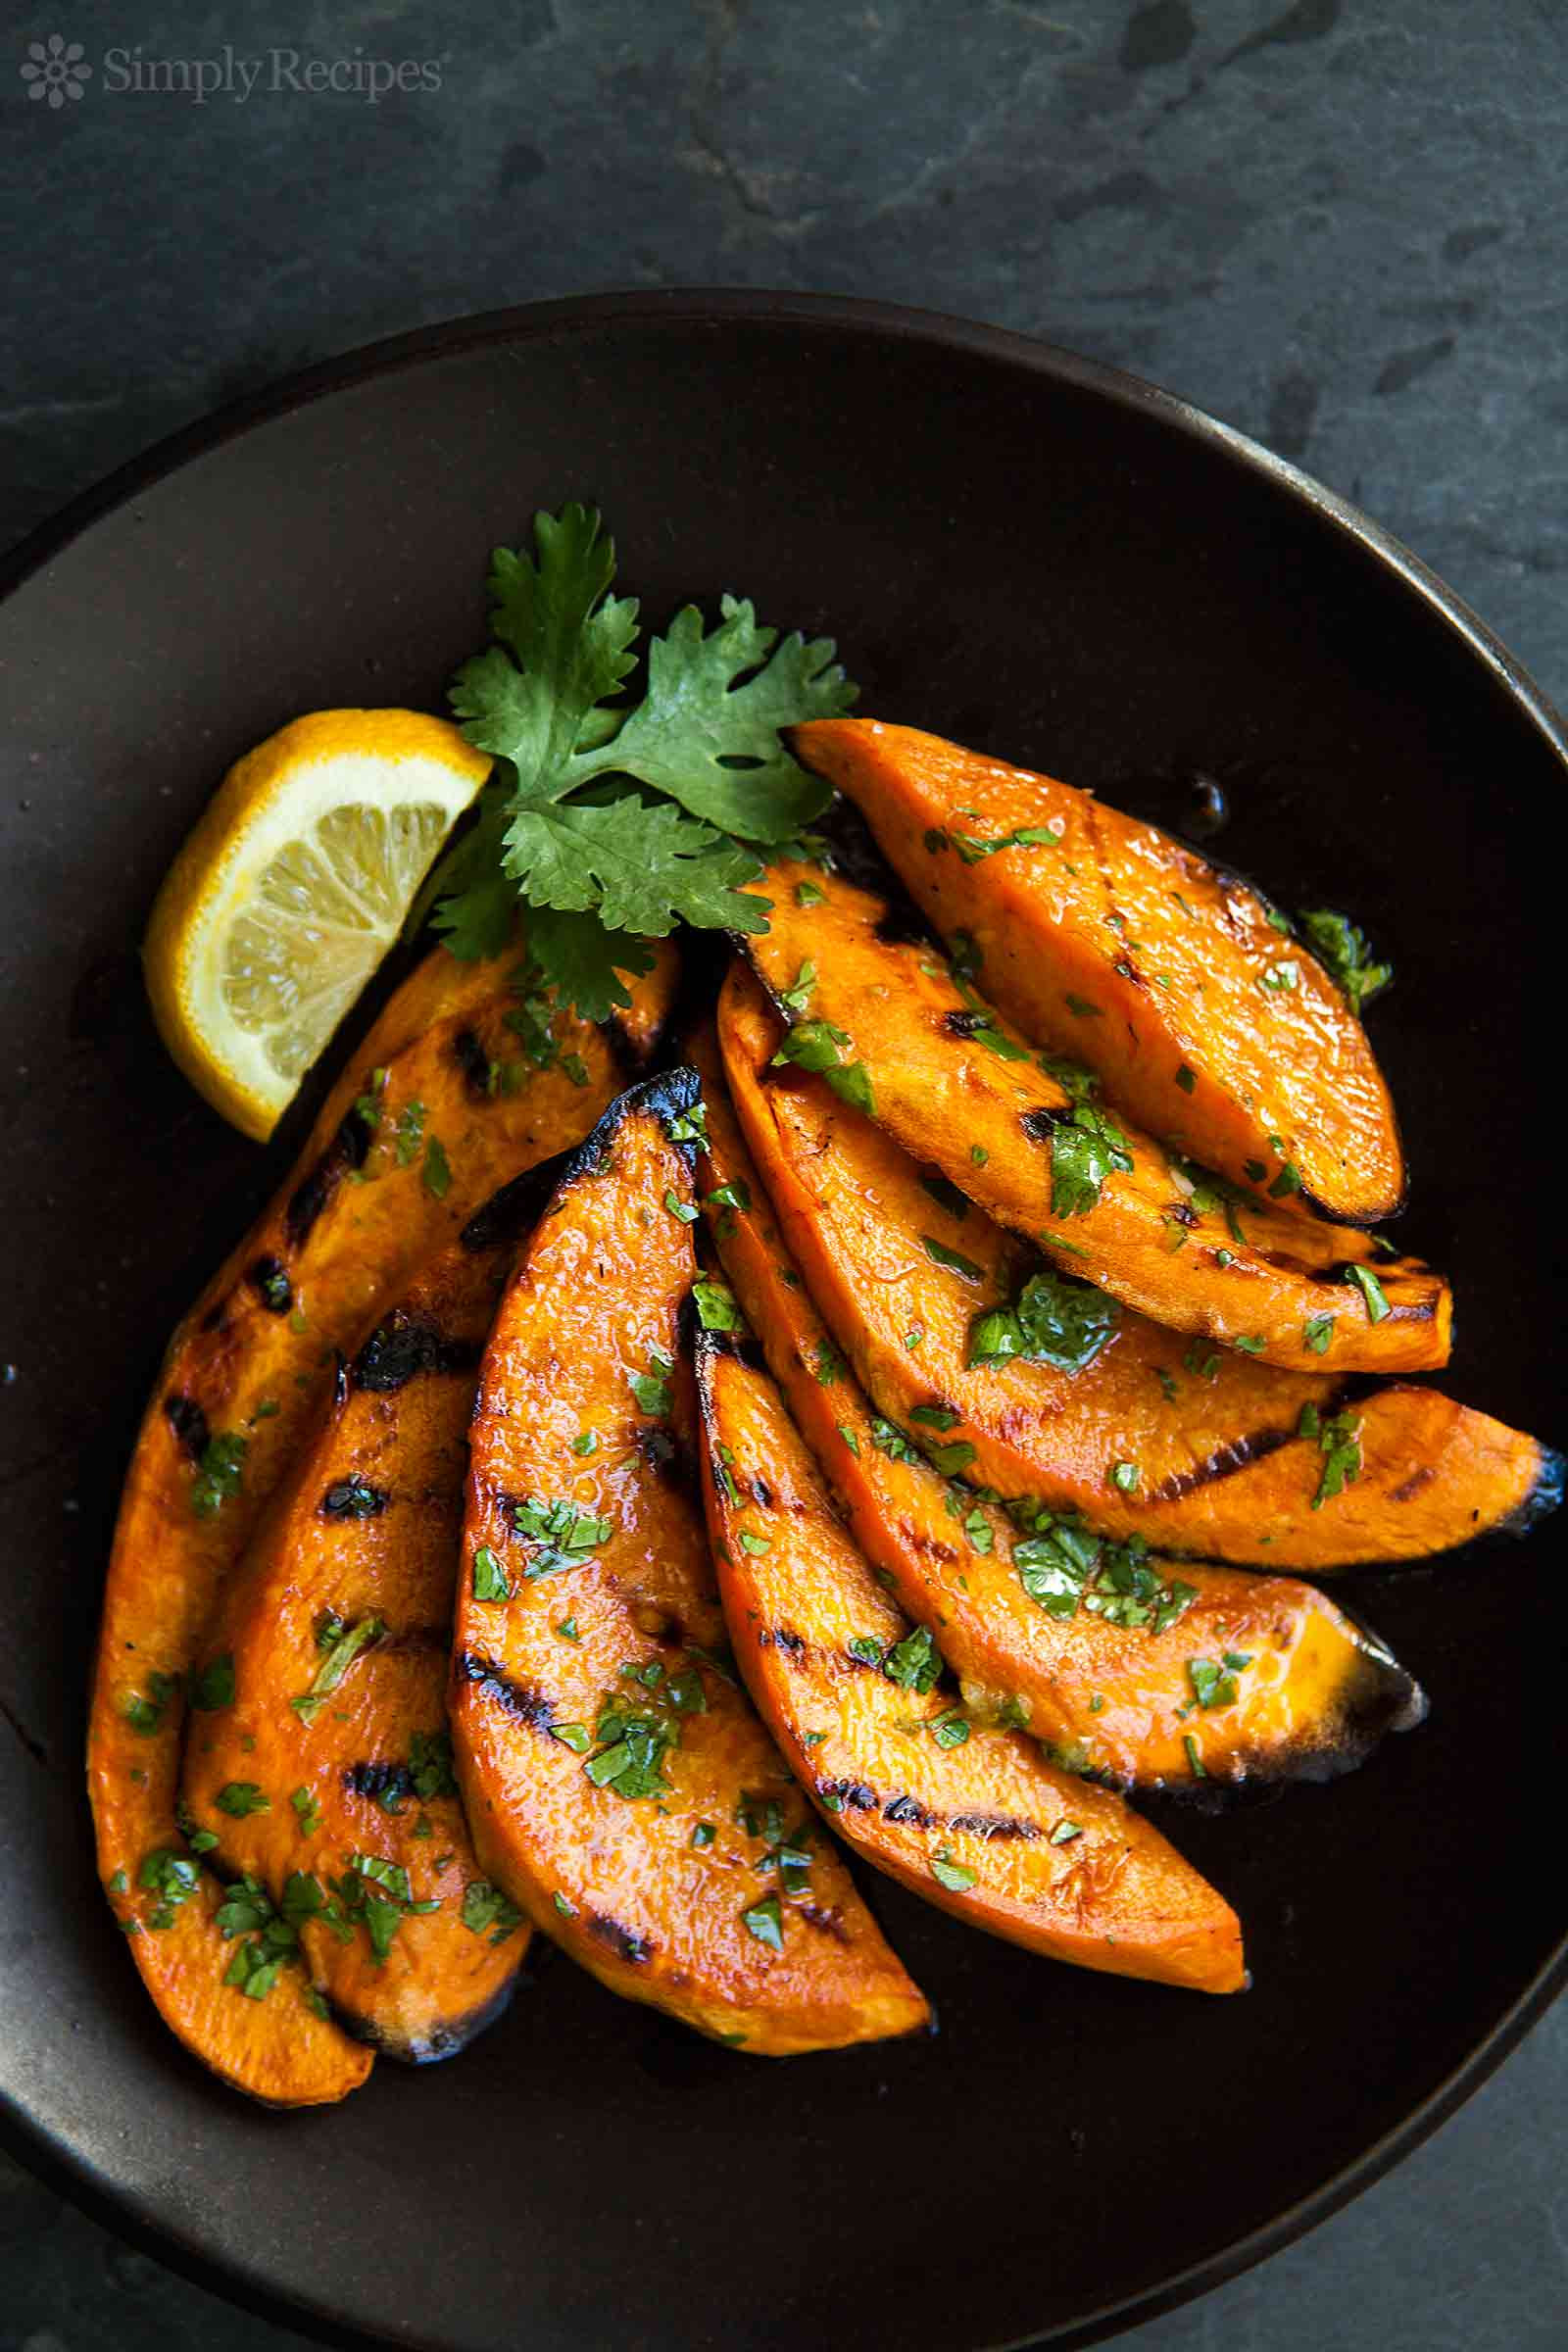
(1031, 554)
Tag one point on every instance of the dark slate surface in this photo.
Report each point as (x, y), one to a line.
(1339, 227)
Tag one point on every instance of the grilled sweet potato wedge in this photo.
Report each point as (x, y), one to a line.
(1197, 1450)
(1109, 942)
(336, 1752)
(413, 1137)
(1107, 1653)
(618, 1785)
(972, 1818)
(888, 1021)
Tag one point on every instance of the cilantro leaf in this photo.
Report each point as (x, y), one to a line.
(573, 645)
(713, 745)
(642, 866)
(584, 959)
(1345, 955)
(473, 897)
(609, 818)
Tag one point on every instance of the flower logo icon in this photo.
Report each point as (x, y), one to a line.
(53, 69)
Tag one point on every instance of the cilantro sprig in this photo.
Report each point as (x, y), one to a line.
(614, 820)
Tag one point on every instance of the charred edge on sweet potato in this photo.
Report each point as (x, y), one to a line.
(442, 2040)
(622, 1940)
(473, 1061)
(1544, 1497)
(353, 1499)
(379, 1782)
(670, 1096)
(188, 1423)
(268, 1279)
(515, 1699)
(512, 1212)
(404, 1346)
(348, 1150)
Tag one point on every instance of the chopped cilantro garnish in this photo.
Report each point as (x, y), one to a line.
(1085, 1149)
(219, 1472)
(410, 1134)
(430, 1765)
(1371, 1290)
(971, 848)
(436, 1173)
(487, 1912)
(651, 1389)
(1214, 1682)
(342, 1652)
(1341, 1445)
(1345, 955)
(241, 1797)
(940, 1256)
(717, 1308)
(690, 1126)
(957, 1877)
(145, 1712)
(1053, 1320)
(796, 1000)
(1063, 1567)
(1317, 1334)
(308, 1811)
(561, 1529)
(916, 1662)
(892, 1440)
(214, 1687)
(764, 1921)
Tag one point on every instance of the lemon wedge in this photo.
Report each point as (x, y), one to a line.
(290, 891)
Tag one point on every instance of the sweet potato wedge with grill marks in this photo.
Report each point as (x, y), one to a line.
(1111, 1683)
(972, 1818)
(1195, 1449)
(339, 1627)
(413, 1137)
(619, 1787)
(947, 1078)
(1108, 941)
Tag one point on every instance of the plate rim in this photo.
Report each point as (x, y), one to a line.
(685, 308)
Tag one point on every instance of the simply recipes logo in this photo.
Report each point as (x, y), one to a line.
(56, 70)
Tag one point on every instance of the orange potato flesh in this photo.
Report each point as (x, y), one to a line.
(250, 1367)
(368, 1527)
(985, 1827)
(1221, 1472)
(1244, 1274)
(1318, 1692)
(1210, 1027)
(650, 1890)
